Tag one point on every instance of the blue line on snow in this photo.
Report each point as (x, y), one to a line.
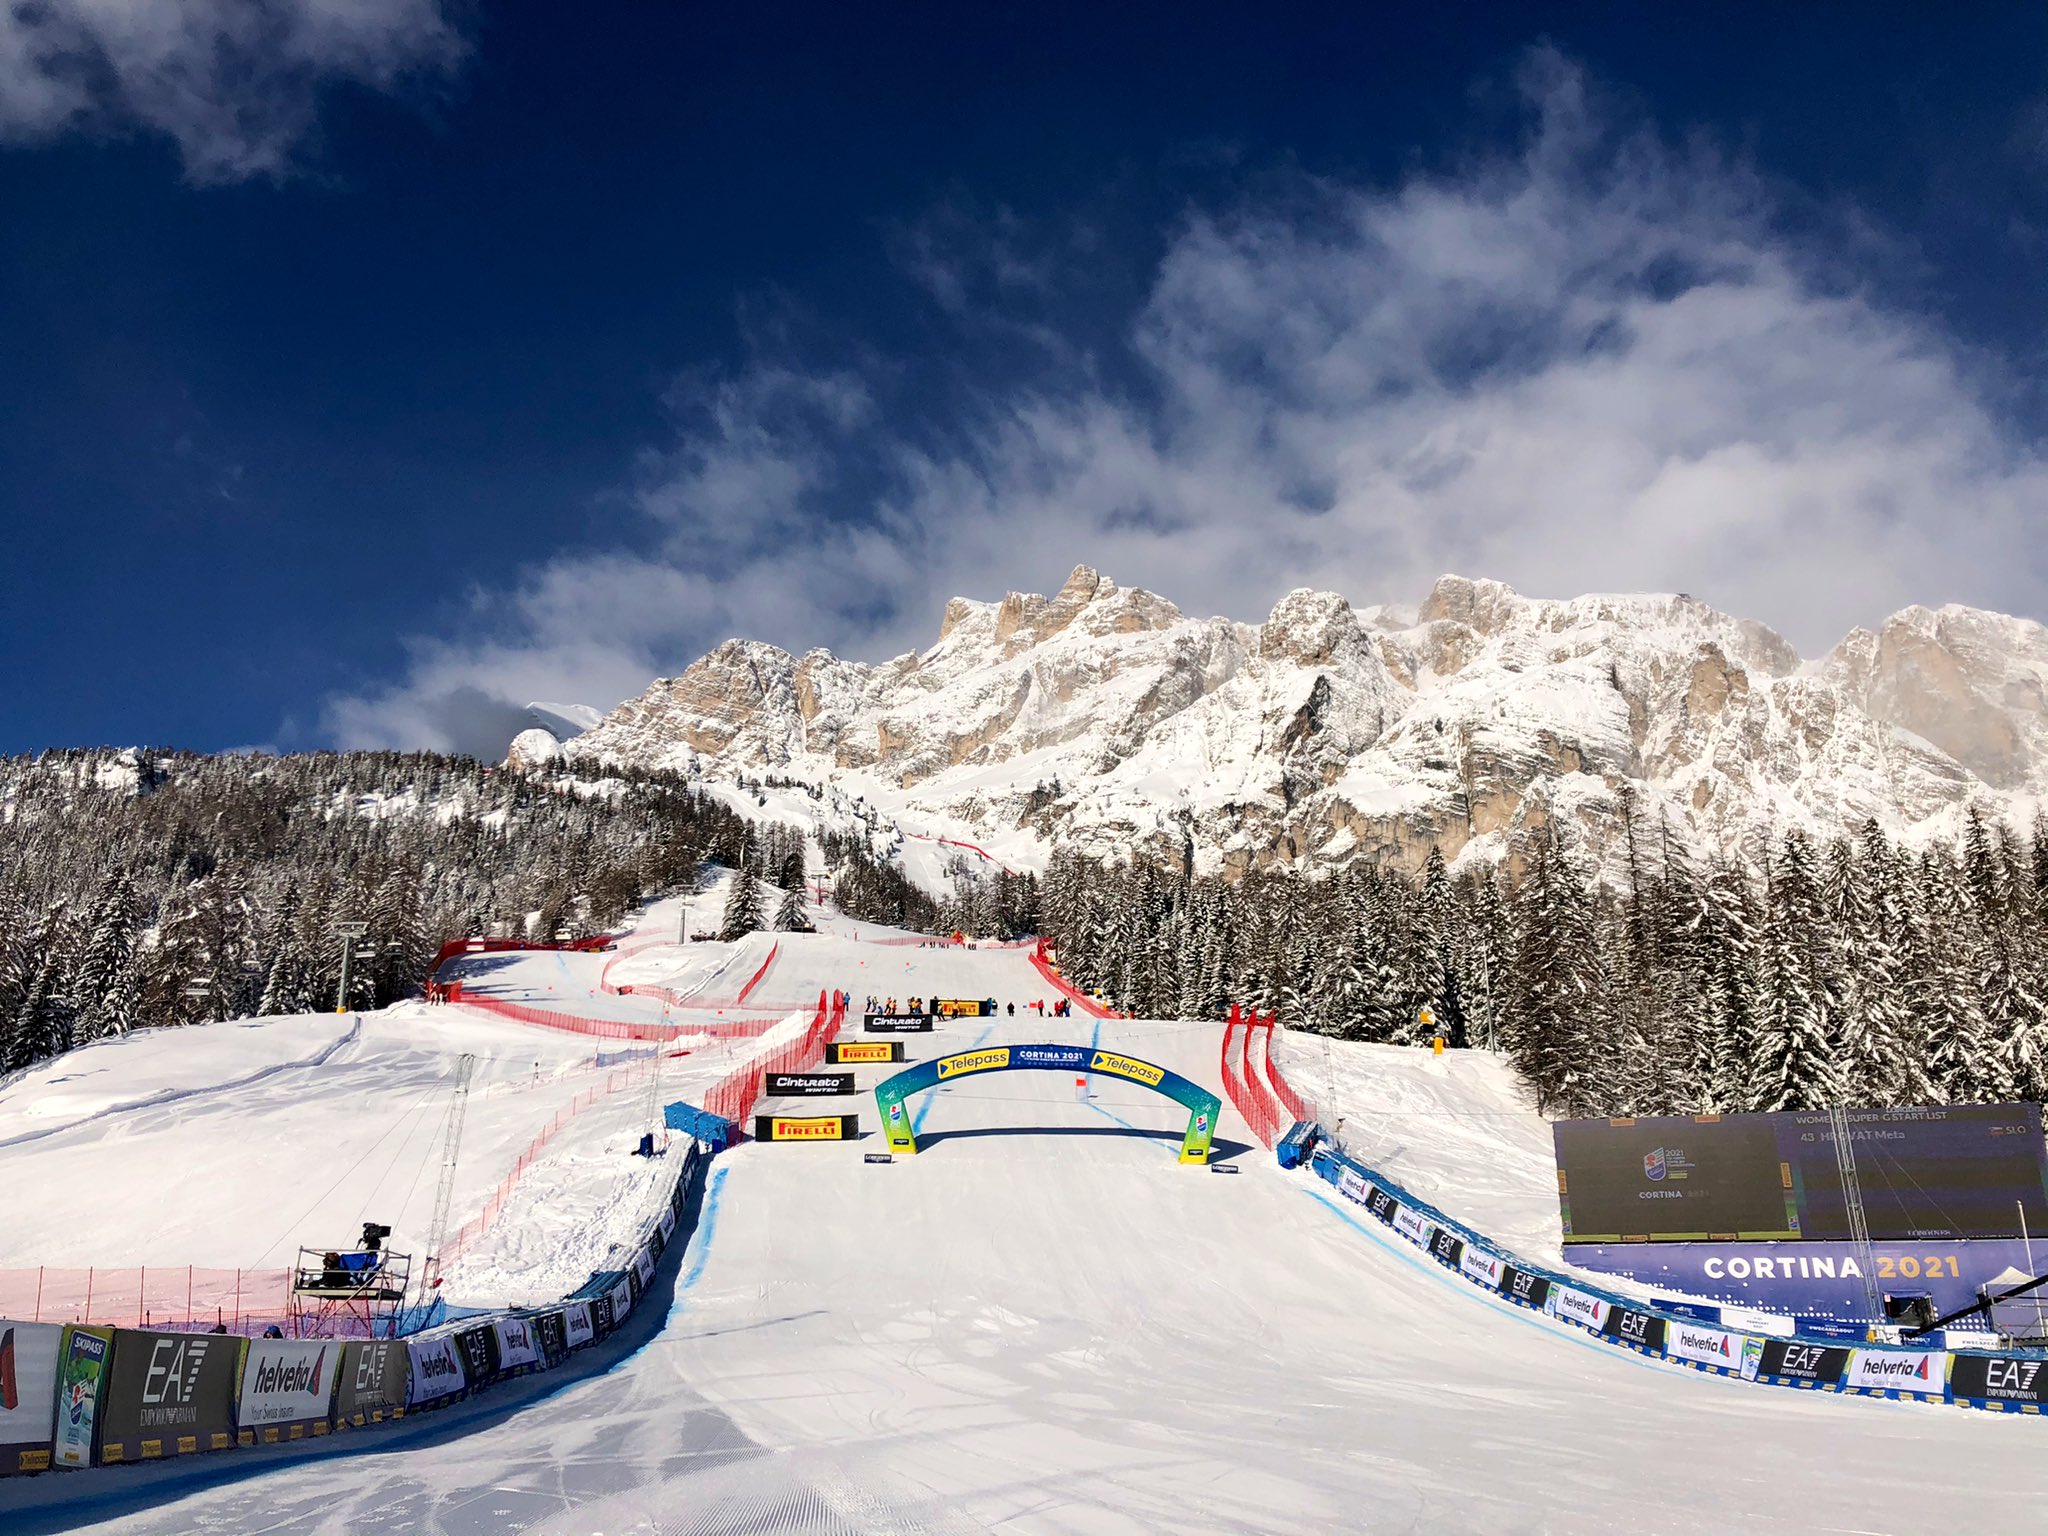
(707, 1229)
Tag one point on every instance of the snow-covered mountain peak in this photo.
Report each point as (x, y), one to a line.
(1105, 716)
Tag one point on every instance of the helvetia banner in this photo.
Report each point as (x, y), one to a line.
(28, 1394)
(622, 1298)
(1921, 1371)
(169, 1394)
(1990, 1378)
(643, 1269)
(1411, 1225)
(1706, 1346)
(1481, 1266)
(376, 1378)
(437, 1371)
(1352, 1186)
(578, 1324)
(287, 1388)
(84, 1358)
(1821, 1364)
(1575, 1306)
(518, 1344)
(667, 1223)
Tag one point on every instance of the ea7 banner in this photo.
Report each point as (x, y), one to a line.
(551, 1328)
(1633, 1327)
(1519, 1285)
(287, 1389)
(28, 1394)
(478, 1345)
(1821, 1364)
(169, 1394)
(1446, 1246)
(1923, 1372)
(1991, 1378)
(1380, 1203)
(376, 1376)
(84, 1360)
(437, 1372)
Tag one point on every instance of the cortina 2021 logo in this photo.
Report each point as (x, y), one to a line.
(1653, 1166)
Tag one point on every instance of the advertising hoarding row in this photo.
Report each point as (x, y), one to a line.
(1975, 1379)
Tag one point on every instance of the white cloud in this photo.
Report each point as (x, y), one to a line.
(235, 82)
(1595, 361)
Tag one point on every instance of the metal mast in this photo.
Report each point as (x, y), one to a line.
(1852, 1199)
(430, 1274)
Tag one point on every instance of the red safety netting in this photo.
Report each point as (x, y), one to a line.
(678, 1000)
(148, 1296)
(1246, 1089)
(607, 1029)
(481, 1223)
(1041, 961)
(1296, 1106)
(735, 1095)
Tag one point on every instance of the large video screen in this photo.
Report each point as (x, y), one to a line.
(1672, 1177)
(1954, 1171)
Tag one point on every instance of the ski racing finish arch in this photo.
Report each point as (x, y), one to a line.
(1202, 1105)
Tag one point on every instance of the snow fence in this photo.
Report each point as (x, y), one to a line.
(78, 1396)
(1700, 1336)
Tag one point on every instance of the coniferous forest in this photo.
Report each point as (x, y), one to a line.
(155, 888)
(1853, 972)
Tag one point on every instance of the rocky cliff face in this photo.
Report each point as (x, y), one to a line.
(1104, 716)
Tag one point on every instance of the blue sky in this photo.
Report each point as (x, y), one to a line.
(375, 368)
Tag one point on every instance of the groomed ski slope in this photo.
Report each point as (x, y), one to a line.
(1043, 1323)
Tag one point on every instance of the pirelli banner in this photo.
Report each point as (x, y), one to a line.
(28, 1395)
(169, 1394)
(862, 1053)
(806, 1127)
(376, 1382)
(287, 1389)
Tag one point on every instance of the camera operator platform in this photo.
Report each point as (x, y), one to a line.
(350, 1292)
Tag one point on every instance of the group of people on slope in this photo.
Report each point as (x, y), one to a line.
(919, 1006)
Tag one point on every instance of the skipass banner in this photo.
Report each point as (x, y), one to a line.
(28, 1394)
(287, 1389)
(83, 1360)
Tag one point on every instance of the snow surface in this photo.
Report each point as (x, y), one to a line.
(1043, 1323)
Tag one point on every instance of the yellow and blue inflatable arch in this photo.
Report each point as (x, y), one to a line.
(891, 1093)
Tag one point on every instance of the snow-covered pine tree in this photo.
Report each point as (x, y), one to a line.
(790, 916)
(103, 984)
(1796, 1065)
(742, 907)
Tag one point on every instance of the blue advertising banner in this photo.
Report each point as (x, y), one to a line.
(1822, 1279)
